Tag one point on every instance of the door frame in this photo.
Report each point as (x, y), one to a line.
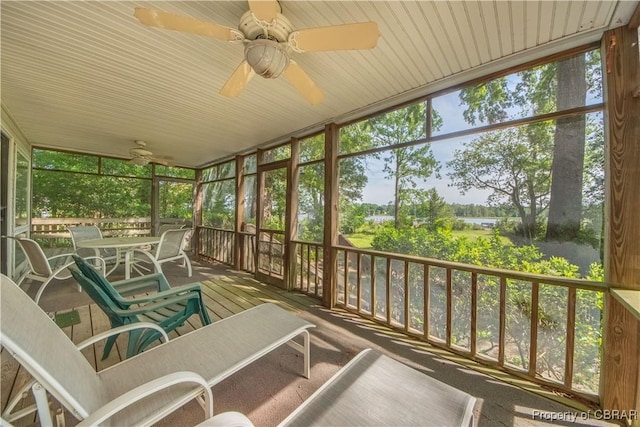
(4, 202)
(261, 170)
(155, 199)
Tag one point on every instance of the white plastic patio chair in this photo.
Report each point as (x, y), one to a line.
(146, 388)
(169, 249)
(165, 227)
(43, 269)
(89, 232)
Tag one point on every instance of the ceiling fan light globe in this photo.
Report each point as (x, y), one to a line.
(140, 161)
(266, 57)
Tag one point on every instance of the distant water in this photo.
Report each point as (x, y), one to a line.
(479, 221)
(378, 219)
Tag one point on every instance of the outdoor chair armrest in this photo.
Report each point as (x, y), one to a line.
(115, 331)
(153, 305)
(178, 290)
(132, 396)
(66, 264)
(59, 256)
(193, 289)
(130, 286)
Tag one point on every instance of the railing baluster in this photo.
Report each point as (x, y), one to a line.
(308, 267)
(346, 276)
(374, 302)
(388, 291)
(358, 282)
(316, 274)
(426, 296)
(474, 313)
(503, 317)
(571, 336)
(406, 295)
(533, 344)
(449, 306)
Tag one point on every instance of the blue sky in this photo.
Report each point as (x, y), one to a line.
(380, 190)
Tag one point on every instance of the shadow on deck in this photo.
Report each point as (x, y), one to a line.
(272, 387)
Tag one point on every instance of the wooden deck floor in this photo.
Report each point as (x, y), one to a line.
(270, 388)
(224, 296)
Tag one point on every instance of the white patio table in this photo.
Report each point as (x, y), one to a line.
(121, 244)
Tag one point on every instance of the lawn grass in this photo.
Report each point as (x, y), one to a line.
(474, 234)
(360, 240)
(364, 240)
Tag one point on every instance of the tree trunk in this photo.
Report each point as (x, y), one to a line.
(565, 204)
(396, 193)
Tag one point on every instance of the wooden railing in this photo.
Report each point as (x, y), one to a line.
(270, 254)
(544, 328)
(309, 267)
(216, 244)
(52, 232)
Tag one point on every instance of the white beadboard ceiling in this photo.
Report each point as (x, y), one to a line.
(87, 76)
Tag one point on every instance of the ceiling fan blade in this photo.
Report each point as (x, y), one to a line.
(264, 10)
(361, 35)
(159, 161)
(169, 21)
(238, 80)
(303, 83)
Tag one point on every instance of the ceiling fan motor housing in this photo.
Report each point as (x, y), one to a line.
(278, 29)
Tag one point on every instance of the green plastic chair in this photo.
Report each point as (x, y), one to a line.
(169, 309)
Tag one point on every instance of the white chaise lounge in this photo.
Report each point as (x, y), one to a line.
(174, 372)
(374, 390)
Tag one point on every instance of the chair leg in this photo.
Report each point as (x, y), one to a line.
(188, 263)
(21, 278)
(42, 402)
(41, 290)
(204, 314)
(108, 346)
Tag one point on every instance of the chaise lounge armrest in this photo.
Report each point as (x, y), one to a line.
(129, 398)
(120, 329)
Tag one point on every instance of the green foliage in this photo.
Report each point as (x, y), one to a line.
(77, 195)
(311, 198)
(122, 168)
(175, 200)
(493, 252)
(351, 218)
(218, 204)
(58, 160)
(176, 172)
(487, 102)
(513, 163)
(405, 166)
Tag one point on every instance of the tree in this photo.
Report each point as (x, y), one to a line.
(551, 87)
(352, 170)
(311, 190)
(565, 204)
(433, 210)
(404, 165)
(515, 164)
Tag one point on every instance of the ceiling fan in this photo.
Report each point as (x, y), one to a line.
(269, 40)
(141, 156)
